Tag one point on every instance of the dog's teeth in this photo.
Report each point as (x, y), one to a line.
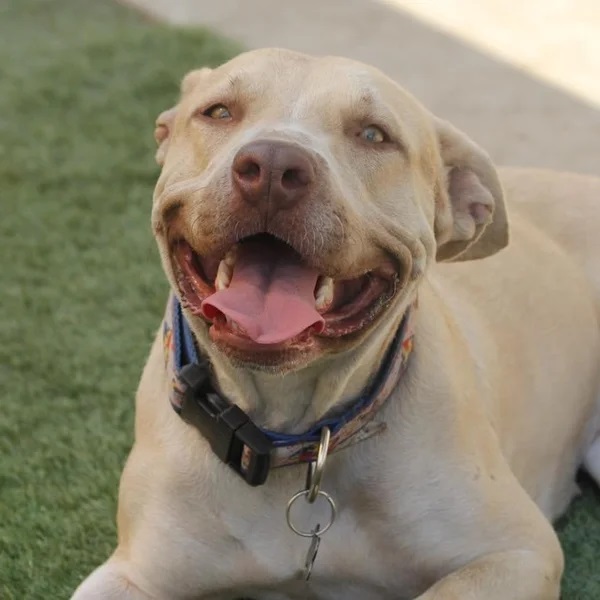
(231, 256)
(223, 278)
(324, 294)
(225, 270)
(233, 326)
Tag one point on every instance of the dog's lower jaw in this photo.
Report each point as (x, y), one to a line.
(293, 401)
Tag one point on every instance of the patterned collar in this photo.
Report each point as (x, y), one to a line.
(251, 451)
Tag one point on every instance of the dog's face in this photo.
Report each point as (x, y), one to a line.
(301, 198)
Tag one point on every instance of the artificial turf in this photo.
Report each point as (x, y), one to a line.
(82, 293)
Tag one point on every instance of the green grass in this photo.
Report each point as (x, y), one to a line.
(81, 82)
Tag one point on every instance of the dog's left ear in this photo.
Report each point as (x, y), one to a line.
(471, 220)
(164, 122)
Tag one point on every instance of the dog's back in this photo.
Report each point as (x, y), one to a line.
(532, 306)
(565, 206)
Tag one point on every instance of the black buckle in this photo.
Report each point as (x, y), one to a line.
(233, 437)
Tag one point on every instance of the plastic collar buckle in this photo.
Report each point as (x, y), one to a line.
(232, 436)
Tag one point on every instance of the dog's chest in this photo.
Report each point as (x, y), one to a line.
(355, 561)
(341, 575)
(227, 541)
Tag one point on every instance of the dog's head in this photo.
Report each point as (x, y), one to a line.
(301, 200)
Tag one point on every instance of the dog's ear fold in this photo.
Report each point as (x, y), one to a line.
(164, 121)
(471, 219)
(162, 130)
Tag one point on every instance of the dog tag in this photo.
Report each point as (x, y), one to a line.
(312, 553)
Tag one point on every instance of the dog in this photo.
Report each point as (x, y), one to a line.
(356, 340)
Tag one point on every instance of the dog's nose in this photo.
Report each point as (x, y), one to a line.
(273, 175)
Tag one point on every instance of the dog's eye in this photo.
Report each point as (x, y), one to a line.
(218, 111)
(373, 134)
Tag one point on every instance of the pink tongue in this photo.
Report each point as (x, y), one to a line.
(271, 294)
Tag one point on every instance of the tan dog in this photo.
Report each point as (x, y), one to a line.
(382, 204)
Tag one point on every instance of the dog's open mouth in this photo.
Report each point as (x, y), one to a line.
(261, 294)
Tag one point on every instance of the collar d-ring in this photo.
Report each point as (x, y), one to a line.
(316, 468)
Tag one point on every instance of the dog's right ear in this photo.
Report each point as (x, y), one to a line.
(164, 121)
(162, 130)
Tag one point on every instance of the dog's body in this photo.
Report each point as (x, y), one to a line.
(498, 407)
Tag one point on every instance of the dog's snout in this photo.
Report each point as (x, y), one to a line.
(273, 175)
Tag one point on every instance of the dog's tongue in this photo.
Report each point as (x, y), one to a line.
(271, 294)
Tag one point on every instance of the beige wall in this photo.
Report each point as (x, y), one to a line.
(522, 78)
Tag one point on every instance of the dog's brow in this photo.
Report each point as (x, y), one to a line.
(230, 88)
(233, 81)
(368, 104)
(366, 98)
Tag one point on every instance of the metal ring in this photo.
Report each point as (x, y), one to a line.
(322, 530)
(315, 470)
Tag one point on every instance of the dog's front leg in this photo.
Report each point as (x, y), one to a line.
(508, 575)
(109, 582)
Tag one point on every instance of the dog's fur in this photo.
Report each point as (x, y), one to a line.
(496, 412)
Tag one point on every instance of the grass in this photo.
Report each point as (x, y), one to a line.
(82, 292)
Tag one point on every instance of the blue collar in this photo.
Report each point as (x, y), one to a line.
(250, 450)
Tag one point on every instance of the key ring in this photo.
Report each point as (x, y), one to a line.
(313, 489)
(310, 493)
(303, 532)
(316, 468)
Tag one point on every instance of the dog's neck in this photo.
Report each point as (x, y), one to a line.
(294, 401)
